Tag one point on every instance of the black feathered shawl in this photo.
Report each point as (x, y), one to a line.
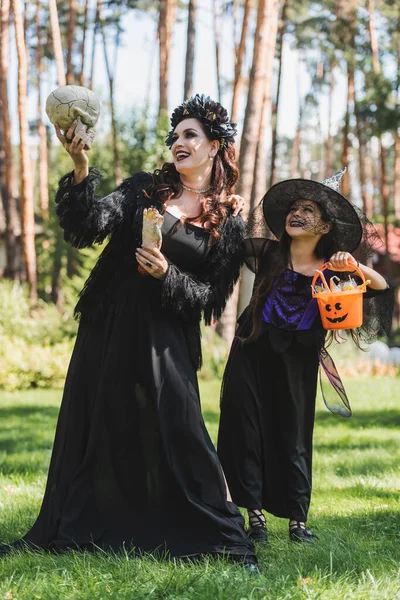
(88, 219)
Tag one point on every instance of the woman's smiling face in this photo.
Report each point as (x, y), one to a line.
(191, 149)
(304, 220)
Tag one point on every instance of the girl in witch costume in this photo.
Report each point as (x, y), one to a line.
(133, 465)
(269, 385)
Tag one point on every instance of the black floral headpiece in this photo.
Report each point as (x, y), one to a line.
(212, 115)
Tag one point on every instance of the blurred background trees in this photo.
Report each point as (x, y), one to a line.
(348, 54)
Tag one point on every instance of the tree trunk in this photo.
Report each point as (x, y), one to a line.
(346, 145)
(6, 188)
(56, 294)
(72, 253)
(396, 190)
(25, 18)
(57, 46)
(382, 153)
(275, 106)
(363, 173)
(190, 47)
(238, 80)
(84, 30)
(319, 152)
(72, 261)
(110, 76)
(251, 125)
(295, 155)
(43, 161)
(373, 166)
(385, 194)
(260, 79)
(329, 138)
(363, 178)
(226, 325)
(235, 28)
(165, 26)
(95, 31)
(374, 38)
(397, 175)
(149, 84)
(217, 39)
(260, 166)
(70, 41)
(27, 201)
(295, 160)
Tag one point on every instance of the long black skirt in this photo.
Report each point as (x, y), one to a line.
(267, 422)
(133, 465)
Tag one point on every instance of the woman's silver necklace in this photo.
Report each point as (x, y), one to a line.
(189, 189)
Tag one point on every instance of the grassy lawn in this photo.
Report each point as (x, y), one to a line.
(355, 510)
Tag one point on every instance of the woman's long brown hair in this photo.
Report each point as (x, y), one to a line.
(225, 173)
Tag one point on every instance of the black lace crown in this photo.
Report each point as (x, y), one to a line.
(212, 115)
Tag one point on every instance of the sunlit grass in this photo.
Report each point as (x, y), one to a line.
(355, 511)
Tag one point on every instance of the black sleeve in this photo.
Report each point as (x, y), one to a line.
(86, 218)
(255, 249)
(207, 294)
(378, 313)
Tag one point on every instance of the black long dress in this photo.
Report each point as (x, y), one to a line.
(268, 406)
(133, 465)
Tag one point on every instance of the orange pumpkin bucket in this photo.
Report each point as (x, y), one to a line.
(339, 309)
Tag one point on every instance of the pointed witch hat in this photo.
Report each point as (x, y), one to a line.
(280, 197)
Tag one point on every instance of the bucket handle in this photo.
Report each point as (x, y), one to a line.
(319, 273)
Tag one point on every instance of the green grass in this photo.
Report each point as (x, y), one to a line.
(355, 510)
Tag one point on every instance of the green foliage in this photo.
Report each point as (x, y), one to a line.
(25, 365)
(143, 144)
(35, 347)
(45, 325)
(215, 351)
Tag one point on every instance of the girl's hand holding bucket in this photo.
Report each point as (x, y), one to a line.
(342, 260)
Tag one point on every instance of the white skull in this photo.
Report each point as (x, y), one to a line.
(70, 102)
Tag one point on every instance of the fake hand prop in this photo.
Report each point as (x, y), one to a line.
(151, 231)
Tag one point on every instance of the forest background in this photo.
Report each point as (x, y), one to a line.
(313, 85)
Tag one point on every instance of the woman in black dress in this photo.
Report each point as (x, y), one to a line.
(270, 382)
(133, 465)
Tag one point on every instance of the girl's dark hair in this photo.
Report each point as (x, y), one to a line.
(272, 265)
(225, 173)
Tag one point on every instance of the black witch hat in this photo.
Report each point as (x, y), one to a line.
(279, 198)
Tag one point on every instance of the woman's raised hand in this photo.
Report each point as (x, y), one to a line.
(74, 144)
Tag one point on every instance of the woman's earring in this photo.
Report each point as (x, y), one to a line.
(211, 158)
